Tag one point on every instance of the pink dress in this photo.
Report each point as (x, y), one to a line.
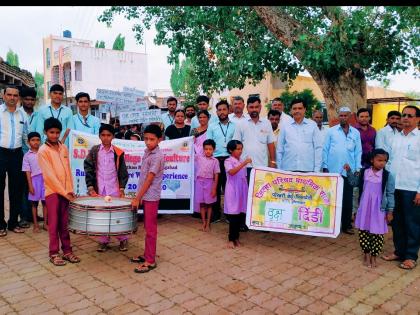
(236, 191)
(206, 168)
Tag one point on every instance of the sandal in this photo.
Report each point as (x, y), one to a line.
(18, 230)
(123, 246)
(56, 260)
(408, 264)
(145, 268)
(138, 259)
(390, 257)
(71, 258)
(3, 232)
(102, 248)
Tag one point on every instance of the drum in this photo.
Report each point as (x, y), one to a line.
(95, 216)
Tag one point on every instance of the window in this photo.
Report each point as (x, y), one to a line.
(48, 58)
(78, 71)
(103, 116)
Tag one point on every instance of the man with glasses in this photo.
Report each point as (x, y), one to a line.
(404, 164)
(82, 120)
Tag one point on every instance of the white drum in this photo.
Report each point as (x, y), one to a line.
(95, 216)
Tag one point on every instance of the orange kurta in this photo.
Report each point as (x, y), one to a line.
(55, 165)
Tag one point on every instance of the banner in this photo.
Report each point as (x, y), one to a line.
(293, 202)
(139, 117)
(178, 177)
(121, 101)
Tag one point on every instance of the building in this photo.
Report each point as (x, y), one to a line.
(10, 75)
(78, 65)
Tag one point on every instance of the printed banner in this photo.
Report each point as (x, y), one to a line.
(139, 117)
(293, 202)
(138, 93)
(178, 177)
(121, 101)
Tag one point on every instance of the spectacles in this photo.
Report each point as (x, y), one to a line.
(407, 115)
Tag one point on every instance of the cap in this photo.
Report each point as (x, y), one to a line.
(344, 109)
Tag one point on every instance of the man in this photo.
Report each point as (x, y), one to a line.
(55, 110)
(367, 135)
(221, 133)
(238, 110)
(82, 120)
(386, 135)
(203, 104)
(299, 147)
(274, 118)
(27, 100)
(13, 133)
(189, 114)
(277, 104)
(169, 117)
(318, 118)
(405, 166)
(257, 136)
(343, 146)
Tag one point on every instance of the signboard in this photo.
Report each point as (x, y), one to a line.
(178, 177)
(137, 117)
(138, 93)
(121, 101)
(293, 202)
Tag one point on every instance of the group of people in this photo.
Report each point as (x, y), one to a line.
(383, 166)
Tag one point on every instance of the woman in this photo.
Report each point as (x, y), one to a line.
(178, 129)
(200, 133)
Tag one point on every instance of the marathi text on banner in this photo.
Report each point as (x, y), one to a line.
(292, 202)
(178, 176)
(140, 117)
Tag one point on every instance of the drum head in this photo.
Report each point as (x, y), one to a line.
(100, 203)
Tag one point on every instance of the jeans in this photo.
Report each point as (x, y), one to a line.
(406, 225)
(347, 205)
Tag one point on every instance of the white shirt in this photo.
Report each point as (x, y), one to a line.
(255, 138)
(13, 128)
(299, 147)
(384, 138)
(233, 118)
(404, 161)
(322, 133)
(195, 124)
(284, 118)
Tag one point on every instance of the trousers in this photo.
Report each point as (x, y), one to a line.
(150, 226)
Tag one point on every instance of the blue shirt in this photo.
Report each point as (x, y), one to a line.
(90, 125)
(13, 128)
(221, 134)
(167, 119)
(340, 149)
(299, 146)
(63, 114)
(195, 124)
(31, 119)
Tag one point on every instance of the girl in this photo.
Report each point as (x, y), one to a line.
(376, 204)
(35, 180)
(208, 170)
(236, 191)
(179, 129)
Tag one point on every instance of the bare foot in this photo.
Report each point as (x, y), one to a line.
(373, 261)
(366, 259)
(45, 227)
(230, 245)
(36, 229)
(238, 244)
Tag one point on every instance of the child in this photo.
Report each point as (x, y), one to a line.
(207, 174)
(34, 177)
(53, 158)
(150, 185)
(236, 191)
(106, 175)
(376, 190)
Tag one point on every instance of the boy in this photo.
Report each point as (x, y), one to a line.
(106, 175)
(149, 195)
(53, 159)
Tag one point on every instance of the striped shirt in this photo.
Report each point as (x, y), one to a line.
(13, 128)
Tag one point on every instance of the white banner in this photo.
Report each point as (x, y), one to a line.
(178, 177)
(122, 101)
(139, 117)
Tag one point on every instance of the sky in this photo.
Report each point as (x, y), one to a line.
(22, 30)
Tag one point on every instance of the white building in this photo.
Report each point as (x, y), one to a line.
(81, 67)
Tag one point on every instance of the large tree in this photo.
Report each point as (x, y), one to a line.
(119, 43)
(12, 58)
(183, 81)
(39, 84)
(341, 47)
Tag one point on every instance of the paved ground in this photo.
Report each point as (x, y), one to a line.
(196, 274)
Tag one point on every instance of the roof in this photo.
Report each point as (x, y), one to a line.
(390, 100)
(14, 75)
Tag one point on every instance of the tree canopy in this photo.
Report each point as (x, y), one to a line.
(100, 44)
(306, 95)
(39, 84)
(12, 58)
(183, 82)
(119, 43)
(340, 47)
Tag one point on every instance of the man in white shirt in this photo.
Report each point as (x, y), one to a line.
(386, 135)
(299, 146)
(278, 104)
(169, 117)
(318, 118)
(405, 166)
(238, 114)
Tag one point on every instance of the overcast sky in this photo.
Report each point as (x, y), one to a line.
(22, 30)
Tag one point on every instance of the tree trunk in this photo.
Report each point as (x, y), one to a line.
(349, 89)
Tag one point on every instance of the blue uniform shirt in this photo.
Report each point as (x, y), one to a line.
(221, 134)
(90, 125)
(63, 114)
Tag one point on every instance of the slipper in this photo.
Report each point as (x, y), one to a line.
(3, 232)
(71, 258)
(138, 259)
(390, 257)
(408, 264)
(57, 261)
(18, 230)
(145, 268)
(123, 246)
